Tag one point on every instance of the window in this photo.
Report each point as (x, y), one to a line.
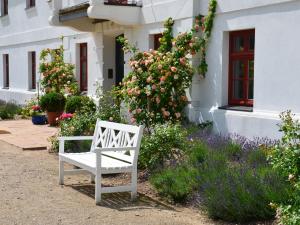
(83, 67)
(241, 67)
(5, 71)
(30, 3)
(156, 38)
(32, 70)
(4, 7)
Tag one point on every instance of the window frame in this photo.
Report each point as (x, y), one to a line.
(4, 8)
(245, 56)
(82, 59)
(32, 65)
(5, 59)
(30, 4)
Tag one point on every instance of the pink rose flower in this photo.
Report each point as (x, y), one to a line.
(178, 115)
(153, 87)
(173, 69)
(163, 90)
(176, 77)
(157, 100)
(149, 79)
(166, 113)
(133, 120)
(182, 61)
(159, 67)
(138, 111)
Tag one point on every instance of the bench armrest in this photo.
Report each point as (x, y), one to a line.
(97, 149)
(75, 138)
(71, 138)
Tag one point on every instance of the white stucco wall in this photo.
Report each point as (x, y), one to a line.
(31, 31)
(276, 60)
(276, 66)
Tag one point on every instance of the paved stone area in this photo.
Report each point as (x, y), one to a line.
(30, 195)
(25, 135)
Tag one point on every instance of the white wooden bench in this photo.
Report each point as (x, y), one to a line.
(115, 148)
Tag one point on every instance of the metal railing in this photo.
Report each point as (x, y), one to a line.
(123, 2)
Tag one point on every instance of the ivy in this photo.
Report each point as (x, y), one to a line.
(206, 25)
(166, 40)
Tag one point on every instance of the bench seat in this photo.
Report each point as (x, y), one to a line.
(87, 161)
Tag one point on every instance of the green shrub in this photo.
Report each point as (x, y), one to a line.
(80, 104)
(9, 110)
(108, 109)
(53, 102)
(26, 110)
(175, 183)
(285, 157)
(240, 189)
(165, 144)
(79, 125)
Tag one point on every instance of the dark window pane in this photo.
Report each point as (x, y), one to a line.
(250, 89)
(251, 69)
(238, 44)
(238, 69)
(252, 42)
(238, 89)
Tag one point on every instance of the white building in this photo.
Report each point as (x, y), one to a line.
(252, 55)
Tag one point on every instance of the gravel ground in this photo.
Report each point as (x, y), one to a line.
(30, 194)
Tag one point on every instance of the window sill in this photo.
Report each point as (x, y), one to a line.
(237, 108)
(30, 8)
(4, 16)
(5, 88)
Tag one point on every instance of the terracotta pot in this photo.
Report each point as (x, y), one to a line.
(52, 117)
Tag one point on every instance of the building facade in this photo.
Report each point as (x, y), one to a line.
(252, 54)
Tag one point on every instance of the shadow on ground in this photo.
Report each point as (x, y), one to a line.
(121, 201)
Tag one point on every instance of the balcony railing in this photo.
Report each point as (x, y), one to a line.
(123, 2)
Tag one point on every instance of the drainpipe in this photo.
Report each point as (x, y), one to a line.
(55, 5)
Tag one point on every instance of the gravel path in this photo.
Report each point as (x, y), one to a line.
(29, 194)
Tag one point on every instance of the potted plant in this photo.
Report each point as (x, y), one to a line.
(53, 103)
(37, 115)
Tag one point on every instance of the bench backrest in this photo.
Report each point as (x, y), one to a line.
(114, 135)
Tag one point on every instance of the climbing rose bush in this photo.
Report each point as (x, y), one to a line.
(57, 76)
(155, 89)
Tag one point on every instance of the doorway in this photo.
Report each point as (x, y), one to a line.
(119, 61)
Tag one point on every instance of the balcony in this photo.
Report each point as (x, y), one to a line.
(122, 12)
(123, 2)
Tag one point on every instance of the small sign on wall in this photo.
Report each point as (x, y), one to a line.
(110, 74)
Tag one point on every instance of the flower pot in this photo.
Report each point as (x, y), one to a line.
(39, 120)
(52, 116)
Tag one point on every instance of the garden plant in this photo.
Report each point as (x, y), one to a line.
(155, 89)
(285, 157)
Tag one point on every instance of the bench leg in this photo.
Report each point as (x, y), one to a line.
(133, 185)
(61, 172)
(98, 189)
(92, 178)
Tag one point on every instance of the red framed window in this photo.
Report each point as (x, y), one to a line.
(4, 7)
(83, 67)
(6, 70)
(33, 69)
(156, 38)
(241, 67)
